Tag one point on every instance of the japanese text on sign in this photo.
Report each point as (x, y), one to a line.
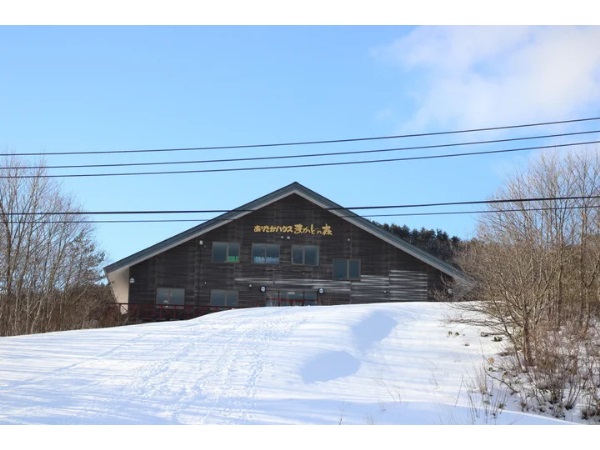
(299, 228)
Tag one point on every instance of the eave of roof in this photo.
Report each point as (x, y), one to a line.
(293, 188)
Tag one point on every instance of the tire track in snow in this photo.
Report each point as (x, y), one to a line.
(174, 379)
(147, 372)
(235, 377)
(203, 371)
(79, 387)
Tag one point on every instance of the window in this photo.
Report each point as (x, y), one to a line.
(170, 296)
(219, 297)
(298, 298)
(346, 269)
(225, 252)
(305, 255)
(265, 253)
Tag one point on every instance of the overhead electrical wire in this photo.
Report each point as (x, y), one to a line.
(450, 155)
(436, 213)
(315, 155)
(337, 208)
(298, 143)
(295, 166)
(483, 211)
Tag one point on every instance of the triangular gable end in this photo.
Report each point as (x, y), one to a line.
(119, 269)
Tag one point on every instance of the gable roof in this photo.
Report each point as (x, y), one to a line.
(294, 188)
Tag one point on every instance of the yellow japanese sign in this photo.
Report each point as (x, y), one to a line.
(299, 228)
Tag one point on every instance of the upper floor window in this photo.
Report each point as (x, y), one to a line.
(346, 269)
(306, 255)
(225, 252)
(265, 253)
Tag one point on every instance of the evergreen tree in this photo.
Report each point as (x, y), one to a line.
(436, 242)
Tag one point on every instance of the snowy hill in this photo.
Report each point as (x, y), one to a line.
(356, 364)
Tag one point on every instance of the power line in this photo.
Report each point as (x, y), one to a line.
(436, 213)
(297, 166)
(483, 211)
(311, 155)
(298, 143)
(337, 208)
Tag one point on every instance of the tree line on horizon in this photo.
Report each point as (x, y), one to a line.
(436, 242)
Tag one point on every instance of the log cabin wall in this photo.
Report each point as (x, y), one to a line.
(188, 270)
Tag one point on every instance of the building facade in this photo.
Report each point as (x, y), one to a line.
(290, 247)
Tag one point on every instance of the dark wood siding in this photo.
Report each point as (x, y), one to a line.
(387, 273)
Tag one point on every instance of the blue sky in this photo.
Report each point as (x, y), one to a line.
(84, 88)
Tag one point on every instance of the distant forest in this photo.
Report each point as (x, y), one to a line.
(436, 242)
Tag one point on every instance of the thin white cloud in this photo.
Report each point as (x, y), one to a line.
(472, 76)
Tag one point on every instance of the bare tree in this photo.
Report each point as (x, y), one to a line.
(539, 262)
(47, 253)
(537, 265)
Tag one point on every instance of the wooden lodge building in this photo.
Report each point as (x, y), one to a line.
(290, 247)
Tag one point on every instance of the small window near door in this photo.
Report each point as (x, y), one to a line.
(167, 296)
(305, 255)
(225, 298)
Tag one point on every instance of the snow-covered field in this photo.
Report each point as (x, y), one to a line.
(401, 364)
